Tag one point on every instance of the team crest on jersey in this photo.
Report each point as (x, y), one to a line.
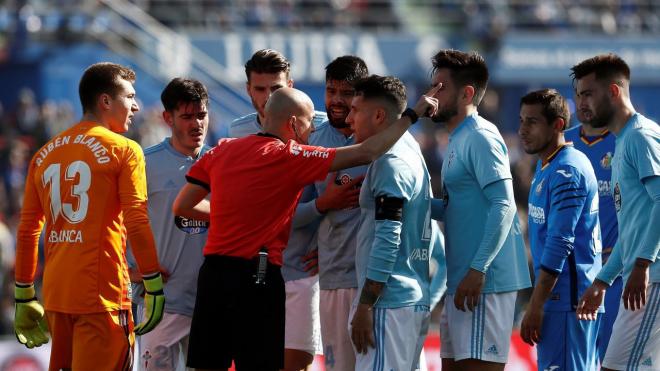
(343, 179)
(617, 197)
(606, 161)
(451, 157)
(445, 194)
(539, 187)
(191, 226)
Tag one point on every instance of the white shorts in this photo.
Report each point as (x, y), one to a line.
(335, 308)
(399, 335)
(484, 334)
(303, 326)
(166, 346)
(635, 341)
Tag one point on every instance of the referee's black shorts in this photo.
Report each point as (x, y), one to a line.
(236, 319)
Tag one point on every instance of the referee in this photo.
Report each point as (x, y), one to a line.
(255, 183)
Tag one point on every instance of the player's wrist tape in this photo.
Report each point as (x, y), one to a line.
(153, 284)
(24, 293)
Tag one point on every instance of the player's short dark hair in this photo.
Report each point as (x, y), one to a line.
(102, 78)
(388, 88)
(607, 67)
(182, 90)
(466, 69)
(267, 61)
(347, 68)
(554, 104)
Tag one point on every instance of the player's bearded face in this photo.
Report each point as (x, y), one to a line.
(593, 102)
(338, 97)
(189, 124)
(447, 111)
(599, 114)
(262, 85)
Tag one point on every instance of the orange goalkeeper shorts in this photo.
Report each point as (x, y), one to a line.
(95, 341)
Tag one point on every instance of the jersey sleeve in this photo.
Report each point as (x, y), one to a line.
(307, 164)
(651, 246)
(567, 199)
(30, 226)
(391, 177)
(199, 171)
(613, 268)
(646, 154)
(132, 187)
(488, 158)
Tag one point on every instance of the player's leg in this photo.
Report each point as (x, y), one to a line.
(60, 326)
(612, 300)
(397, 334)
(447, 349)
(302, 335)
(481, 338)
(335, 307)
(160, 348)
(103, 341)
(635, 341)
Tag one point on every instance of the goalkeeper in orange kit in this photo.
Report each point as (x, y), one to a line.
(88, 186)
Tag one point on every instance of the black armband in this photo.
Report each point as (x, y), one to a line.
(389, 208)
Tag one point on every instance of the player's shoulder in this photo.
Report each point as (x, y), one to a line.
(244, 120)
(155, 149)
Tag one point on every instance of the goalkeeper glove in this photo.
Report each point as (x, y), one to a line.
(29, 323)
(154, 303)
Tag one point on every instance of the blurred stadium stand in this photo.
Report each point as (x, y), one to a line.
(45, 45)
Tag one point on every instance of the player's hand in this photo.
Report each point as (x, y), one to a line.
(154, 303)
(634, 294)
(469, 290)
(591, 300)
(29, 323)
(311, 262)
(362, 329)
(427, 105)
(530, 330)
(339, 196)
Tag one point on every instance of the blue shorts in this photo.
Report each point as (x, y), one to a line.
(612, 301)
(566, 343)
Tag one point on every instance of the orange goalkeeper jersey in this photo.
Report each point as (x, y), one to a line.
(88, 185)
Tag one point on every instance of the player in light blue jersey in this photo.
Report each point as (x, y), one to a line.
(486, 260)
(564, 237)
(603, 95)
(337, 231)
(598, 145)
(179, 241)
(393, 244)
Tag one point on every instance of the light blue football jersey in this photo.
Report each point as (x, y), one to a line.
(337, 232)
(564, 233)
(302, 239)
(179, 241)
(599, 151)
(476, 157)
(636, 159)
(397, 252)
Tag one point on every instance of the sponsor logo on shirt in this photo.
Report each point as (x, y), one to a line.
(606, 161)
(419, 254)
(191, 226)
(316, 153)
(65, 236)
(604, 188)
(536, 214)
(552, 368)
(617, 197)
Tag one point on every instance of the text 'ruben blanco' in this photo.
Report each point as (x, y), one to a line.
(99, 151)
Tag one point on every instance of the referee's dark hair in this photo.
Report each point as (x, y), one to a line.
(267, 61)
(182, 90)
(554, 105)
(466, 69)
(347, 68)
(387, 88)
(608, 68)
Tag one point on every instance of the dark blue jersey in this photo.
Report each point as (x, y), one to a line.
(564, 232)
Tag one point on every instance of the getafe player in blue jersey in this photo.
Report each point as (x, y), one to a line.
(393, 245)
(486, 260)
(603, 95)
(564, 236)
(598, 145)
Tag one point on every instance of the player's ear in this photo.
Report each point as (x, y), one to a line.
(559, 124)
(104, 101)
(168, 117)
(614, 90)
(468, 93)
(289, 83)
